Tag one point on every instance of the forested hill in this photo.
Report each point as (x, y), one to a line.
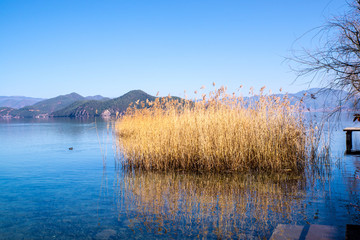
(43, 108)
(98, 108)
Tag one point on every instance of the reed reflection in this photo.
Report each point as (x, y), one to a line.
(211, 205)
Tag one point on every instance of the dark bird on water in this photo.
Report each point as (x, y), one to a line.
(71, 148)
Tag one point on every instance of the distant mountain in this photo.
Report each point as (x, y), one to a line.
(45, 107)
(97, 97)
(18, 101)
(56, 103)
(108, 107)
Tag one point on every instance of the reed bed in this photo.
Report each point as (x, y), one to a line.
(220, 133)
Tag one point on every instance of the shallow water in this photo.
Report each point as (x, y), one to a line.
(50, 192)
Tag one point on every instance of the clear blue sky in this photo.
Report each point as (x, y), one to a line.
(109, 47)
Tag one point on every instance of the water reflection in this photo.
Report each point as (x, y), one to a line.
(211, 205)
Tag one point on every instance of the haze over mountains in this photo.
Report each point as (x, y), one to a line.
(323, 99)
(18, 101)
(77, 106)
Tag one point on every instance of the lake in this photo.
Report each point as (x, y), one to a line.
(48, 191)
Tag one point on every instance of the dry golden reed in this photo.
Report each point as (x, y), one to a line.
(221, 132)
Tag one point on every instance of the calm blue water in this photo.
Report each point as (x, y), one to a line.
(50, 192)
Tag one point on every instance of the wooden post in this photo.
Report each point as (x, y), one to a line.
(348, 141)
(349, 131)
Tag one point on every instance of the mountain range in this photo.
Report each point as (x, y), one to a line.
(77, 106)
(105, 108)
